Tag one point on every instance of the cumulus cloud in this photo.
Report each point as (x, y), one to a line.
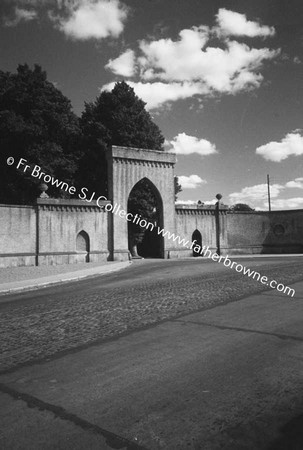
(231, 23)
(92, 19)
(195, 202)
(255, 193)
(288, 203)
(183, 144)
(190, 182)
(292, 144)
(20, 15)
(158, 93)
(77, 19)
(186, 202)
(123, 65)
(190, 65)
(297, 183)
(259, 194)
(225, 70)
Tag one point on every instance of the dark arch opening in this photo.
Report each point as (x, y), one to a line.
(82, 244)
(146, 208)
(197, 237)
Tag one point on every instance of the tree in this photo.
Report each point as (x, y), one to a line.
(119, 118)
(241, 207)
(114, 118)
(37, 124)
(178, 187)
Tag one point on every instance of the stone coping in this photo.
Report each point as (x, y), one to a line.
(142, 154)
(70, 202)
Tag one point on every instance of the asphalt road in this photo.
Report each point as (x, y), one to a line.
(157, 356)
(156, 270)
(55, 320)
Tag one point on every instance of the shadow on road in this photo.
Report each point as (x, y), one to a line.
(292, 436)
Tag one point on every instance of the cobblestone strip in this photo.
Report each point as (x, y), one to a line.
(39, 330)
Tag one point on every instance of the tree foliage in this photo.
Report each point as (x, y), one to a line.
(241, 207)
(37, 124)
(119, 118)
(178, 187)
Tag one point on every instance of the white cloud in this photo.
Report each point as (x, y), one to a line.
(195, 202)
(190, 182)
(259, 194)
(255, 193)
(226, 70)
(156, 94)
(210, 202)
(182, 144)
(20, 15)
(169, 70)
(288, 203)
(297, 183)
(186, 202)
(292, 144)
(232, 23)
(92, 19)
(123, 65)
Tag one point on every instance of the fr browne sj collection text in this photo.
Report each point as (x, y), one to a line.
(36, 172)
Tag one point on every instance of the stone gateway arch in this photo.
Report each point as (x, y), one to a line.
(126, 168)
(76, 230)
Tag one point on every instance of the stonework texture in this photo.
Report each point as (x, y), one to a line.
(46, 233)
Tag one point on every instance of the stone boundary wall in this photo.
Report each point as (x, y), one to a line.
(46, 233)
(265, 232)
(251, 232)
(17, 235)
(59, 231)
(191, 218)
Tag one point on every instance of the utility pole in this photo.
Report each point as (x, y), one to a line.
(268, 191)
(217, 217)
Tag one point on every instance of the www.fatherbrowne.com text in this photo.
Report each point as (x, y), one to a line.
(36, 172)
(203, 251)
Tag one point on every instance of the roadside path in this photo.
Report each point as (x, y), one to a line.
(18, 279)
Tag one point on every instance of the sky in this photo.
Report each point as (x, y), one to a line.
(223, 80)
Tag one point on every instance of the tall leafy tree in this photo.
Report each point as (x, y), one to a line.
(241, 207)
(37, 124)
(118, 117)
(177, 186)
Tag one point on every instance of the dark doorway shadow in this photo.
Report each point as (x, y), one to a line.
(82, 244)
(146, 203)
(197, 237)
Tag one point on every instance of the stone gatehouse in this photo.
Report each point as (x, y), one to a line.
(56, 231)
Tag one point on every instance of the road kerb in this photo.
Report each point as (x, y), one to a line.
(36, 285)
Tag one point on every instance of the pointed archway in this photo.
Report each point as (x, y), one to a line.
(145, 207)
(127, 167)
(197, 239)
(82, 244)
